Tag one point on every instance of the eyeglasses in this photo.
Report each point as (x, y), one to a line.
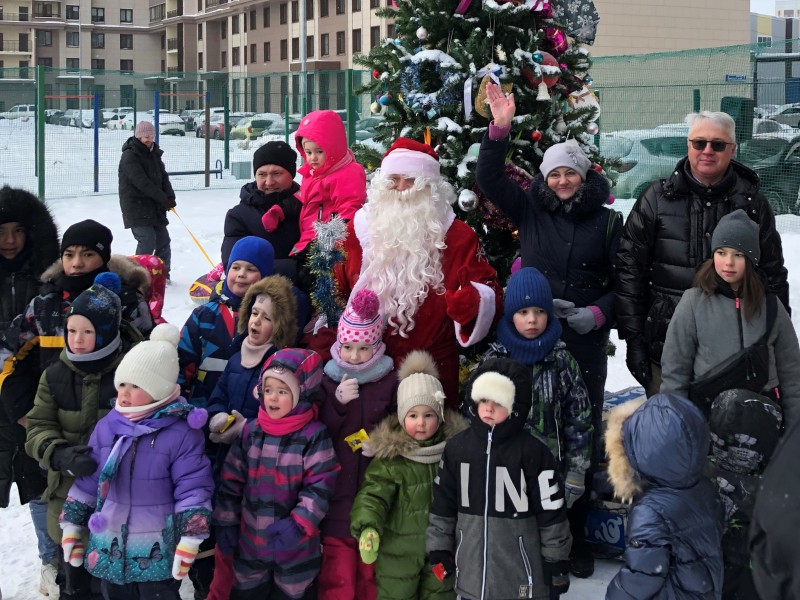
(716, 145)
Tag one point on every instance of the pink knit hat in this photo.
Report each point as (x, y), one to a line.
(144, 128)
(361, 322)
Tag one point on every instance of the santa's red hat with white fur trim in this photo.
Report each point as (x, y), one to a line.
(412, 158)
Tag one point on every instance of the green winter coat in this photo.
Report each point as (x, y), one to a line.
(66, 416)
(395, 499)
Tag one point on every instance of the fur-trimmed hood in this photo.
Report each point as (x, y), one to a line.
(662, 441)
(389, 440)
(40, 228)
(130, 273)
(284, 308)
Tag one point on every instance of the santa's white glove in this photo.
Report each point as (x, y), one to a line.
(347, 390)
(232, 431)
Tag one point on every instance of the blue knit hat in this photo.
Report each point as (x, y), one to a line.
(256, 251)
(101, 305)
(528, 287)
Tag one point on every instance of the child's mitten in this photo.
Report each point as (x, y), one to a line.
(185, 554)
(368, 544)
(72, 544)
(272, 218)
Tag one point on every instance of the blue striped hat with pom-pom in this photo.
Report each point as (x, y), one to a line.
(100, 304)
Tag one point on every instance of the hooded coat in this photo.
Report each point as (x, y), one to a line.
(667, 236)
(498, 503)
(145, 193)
(339, 186)
(656, 453)
(395, 499)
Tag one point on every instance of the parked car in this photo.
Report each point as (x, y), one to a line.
(765, 110)
(770, 127)
(189, 116)
(788, 114)
(52, 115)
(168, 124)
(250, 128)
(216, 128)
(82, 118)
(778, 170)
(645, 155)
(66, 118)
(278, 128)
(19, 111)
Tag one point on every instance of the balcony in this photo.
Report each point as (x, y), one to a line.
(14, 46)
(171, 14)
(172, 44)
(14, 17)
(47, 11)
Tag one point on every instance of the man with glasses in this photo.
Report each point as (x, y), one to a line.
(667, 236)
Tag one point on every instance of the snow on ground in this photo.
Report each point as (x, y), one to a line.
(203, 212)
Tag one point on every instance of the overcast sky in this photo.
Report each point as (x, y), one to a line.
(764, 7)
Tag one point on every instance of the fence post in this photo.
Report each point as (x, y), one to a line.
(40, 130)
(96, 108)
(597, 121)
(156, 110)
(207, 139)
(227, 125)
(696, 100)
(134, 105)
(348, 105)
(286, 119)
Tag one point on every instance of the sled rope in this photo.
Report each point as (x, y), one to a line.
(196, 241)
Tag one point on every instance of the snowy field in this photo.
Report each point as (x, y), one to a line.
(203, 211)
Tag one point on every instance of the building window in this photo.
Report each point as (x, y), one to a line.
(765, 41)
(374, 3)
(44, 38)
(73, 64)
(245, 55)
(235, 57)
(223, 29)
(73, 40)
(323, 8)
(98, 40)
(340, 42)
(45, 61)
(98, 64)
(126, 41)
(199, 60)
(157, 12)
(126, 15)
(266, 16)
(391, 30)
(282, 13)
(98, 15)
(356, 6)
(284, 50)
(163, 41)
(340, 7)
(788, 13)
(374, 36)
(295, 48)
(253, 19)
(310, 46)
(199, 31)
(267, 52)
(73, 12)
(309, 9)
(126, 65)
(235, 24)
(295, 12)
(325, 44)
(223, 59)
(356, 41)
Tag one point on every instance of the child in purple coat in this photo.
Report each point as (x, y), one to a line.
(359, 390)
(148, 504)
(276, 484)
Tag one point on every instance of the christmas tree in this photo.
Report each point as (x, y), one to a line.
(429, 82)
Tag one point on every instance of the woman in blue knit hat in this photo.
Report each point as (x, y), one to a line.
(561, 413)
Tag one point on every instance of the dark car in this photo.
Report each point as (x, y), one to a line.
(777, 163)
(53, 115)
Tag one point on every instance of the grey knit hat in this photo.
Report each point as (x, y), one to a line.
(419, 385)
(565, 154)
(738, 231)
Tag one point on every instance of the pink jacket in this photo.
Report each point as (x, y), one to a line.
(339, 186)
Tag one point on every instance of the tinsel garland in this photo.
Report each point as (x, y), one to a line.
(493, 215)
(325, 253)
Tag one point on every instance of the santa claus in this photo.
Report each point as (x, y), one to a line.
(429, 270)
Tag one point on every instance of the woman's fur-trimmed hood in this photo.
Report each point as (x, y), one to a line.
(130, 272)
(284, 308)
(662, 441)
(389, 440)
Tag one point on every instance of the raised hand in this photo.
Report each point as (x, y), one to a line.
(503, 107)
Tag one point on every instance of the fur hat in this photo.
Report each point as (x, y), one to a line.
(409, 157)
(419, 385)
(565, 154)
(153, 364)
(276, 153)
(255, 250)
(144, 128)
(89, 234)
(494, 386)
(738, 231)
(100, 304)
(361, 322)
(298, 368)
(505, 382)
(284, 308)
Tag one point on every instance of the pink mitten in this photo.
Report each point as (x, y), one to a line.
(272, 218)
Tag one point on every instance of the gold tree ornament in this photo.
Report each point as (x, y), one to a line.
(481, 105)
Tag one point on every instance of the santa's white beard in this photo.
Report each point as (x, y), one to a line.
(402, 253)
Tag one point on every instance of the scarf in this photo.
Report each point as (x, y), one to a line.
(138, 413)
(347, 158)
(370, 371)
(228, 297)
(13, 265)
(75, 284)
(285, 425)
(528, 352)
(252, 354)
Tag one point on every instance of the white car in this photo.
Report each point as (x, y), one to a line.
(18, 111)
(168, 124)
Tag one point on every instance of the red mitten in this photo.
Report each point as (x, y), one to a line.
(462, 304)
(272, 218)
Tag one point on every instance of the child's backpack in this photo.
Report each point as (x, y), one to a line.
(158, 284)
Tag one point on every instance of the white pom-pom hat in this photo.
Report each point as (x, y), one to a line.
(153, 364)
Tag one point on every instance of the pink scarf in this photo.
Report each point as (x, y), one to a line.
(285, 425)
(137, 413)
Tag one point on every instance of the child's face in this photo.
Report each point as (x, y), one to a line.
(277, 397)
(421, 422)
(241, 275)
(79, 260)
(530, 322)
(315, 156)
(730, 264)
(12, 239)
(491, 413)
(260, 325)
(356, 354)
(132, 395)
(81, 335)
